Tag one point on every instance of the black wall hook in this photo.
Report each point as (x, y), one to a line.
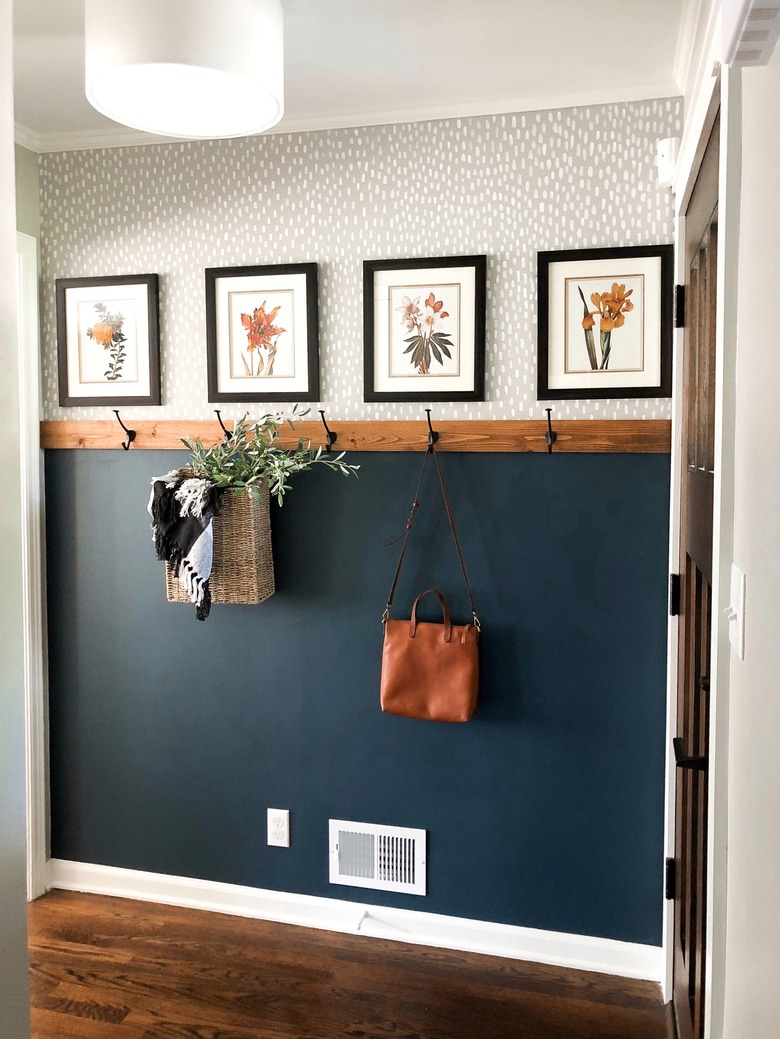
(433, 436)
(131, 433)
(330, 437)
(227, 433)
(550, 436)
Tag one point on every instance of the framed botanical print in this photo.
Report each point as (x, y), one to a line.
(262, 337)
(108, 340)
(605, 323)
(424, 329)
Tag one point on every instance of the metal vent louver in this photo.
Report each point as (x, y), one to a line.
(751, 30)
(388, 858)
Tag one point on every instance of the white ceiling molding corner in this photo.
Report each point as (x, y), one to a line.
(697, 46)
(89, 140)
(122, 137)
(506, 106)
(29, 139)
(702, 94)
(693, 11)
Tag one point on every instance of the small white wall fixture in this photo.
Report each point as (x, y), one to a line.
(666, 160)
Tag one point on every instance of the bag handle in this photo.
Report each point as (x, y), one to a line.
(445, 607)
(415, 506)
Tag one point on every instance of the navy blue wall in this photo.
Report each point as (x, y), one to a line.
(170, 738)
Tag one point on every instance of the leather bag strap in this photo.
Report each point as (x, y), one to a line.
(405, 536)
(455, 538)
(445, 609)
(409, 523)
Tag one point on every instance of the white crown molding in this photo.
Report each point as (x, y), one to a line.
(686, 42)
(118, 137)
(702, 95)
(580, 952)
(85, 140)
(27, 138)
(697, 45)
(506, 106)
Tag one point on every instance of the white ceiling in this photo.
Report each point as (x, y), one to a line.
(357, 62)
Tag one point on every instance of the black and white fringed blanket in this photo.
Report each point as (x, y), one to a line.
(182, 507)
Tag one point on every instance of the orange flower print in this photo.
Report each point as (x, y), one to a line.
(108, 333)
(611, 308)
(261, 334)
(102, 333)
(433, 314)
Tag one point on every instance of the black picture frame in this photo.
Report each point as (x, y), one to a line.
(549, 289)
(109, 291)
(430, 391)
(305, 388)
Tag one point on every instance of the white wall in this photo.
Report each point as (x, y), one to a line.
(28, 203)
(752, 997)
(14, 1014)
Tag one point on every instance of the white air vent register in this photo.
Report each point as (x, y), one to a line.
(388, 858)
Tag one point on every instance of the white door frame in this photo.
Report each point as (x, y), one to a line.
(722, 92)
(33, 573)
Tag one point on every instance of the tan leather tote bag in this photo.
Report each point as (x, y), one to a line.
(429, 670)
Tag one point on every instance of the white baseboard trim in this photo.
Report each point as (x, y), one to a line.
(582, 952)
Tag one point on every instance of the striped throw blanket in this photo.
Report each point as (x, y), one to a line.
(182, 506)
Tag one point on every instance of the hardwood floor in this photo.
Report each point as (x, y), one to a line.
(108, 968)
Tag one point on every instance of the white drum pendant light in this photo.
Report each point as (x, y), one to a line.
(186, 68)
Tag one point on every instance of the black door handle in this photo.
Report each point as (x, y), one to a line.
(682, 760)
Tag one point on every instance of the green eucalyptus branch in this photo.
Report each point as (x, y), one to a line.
(253, 455)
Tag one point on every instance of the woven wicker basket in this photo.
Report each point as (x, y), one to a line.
(243, 569)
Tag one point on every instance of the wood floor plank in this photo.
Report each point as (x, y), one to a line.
(49, 1024)
(72, 1000)
(107, 968)
(253, 945)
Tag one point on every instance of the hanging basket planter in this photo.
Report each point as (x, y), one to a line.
(242, 572)
(207, 504)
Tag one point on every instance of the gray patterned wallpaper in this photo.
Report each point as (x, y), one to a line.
(504, 185)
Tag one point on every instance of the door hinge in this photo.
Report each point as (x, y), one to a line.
(670, 882)
(674, 595)
(679, 306)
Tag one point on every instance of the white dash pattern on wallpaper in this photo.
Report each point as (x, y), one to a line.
(504, 185)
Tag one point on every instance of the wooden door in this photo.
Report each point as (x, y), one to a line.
(691, 746)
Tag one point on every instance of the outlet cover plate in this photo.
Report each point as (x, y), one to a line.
(279, 827)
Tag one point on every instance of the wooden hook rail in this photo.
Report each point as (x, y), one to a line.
(584, 436)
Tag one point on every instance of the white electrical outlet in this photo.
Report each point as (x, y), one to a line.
(279, 827)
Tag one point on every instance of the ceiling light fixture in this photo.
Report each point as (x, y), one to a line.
(186, 68)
